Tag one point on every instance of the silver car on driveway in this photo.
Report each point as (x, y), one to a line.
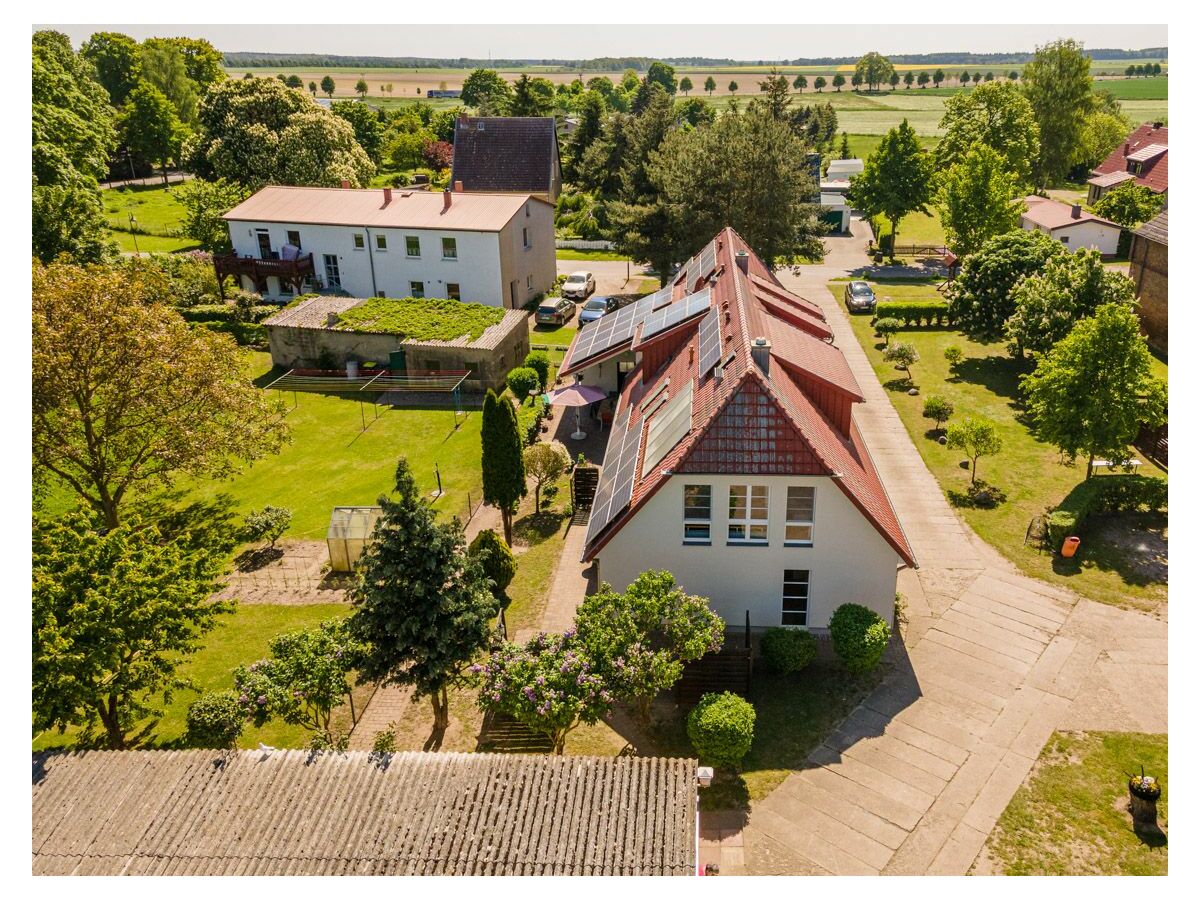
(579, 285)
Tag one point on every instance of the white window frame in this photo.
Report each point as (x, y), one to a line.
(418, 295)
(452, 245)
(749, 528)
(359, 241)
(794, 583)
(525, 242)
(697, 522)
(793, 527)
(529, 282)
(408, 239)
(381, 243)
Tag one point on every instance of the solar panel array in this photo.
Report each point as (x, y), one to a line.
(616, 479)
(708, 259)
(661, 297)
(699, 267)
(678, 312)
(710, 342)
(609, 331)
(668, 427)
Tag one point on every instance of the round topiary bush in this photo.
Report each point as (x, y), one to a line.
(859, 636)
(786, 650)
(721, 728)
(521, 381)
(215, 720)
(539, 361)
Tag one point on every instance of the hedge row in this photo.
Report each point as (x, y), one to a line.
(224, 312)
(915, 312)
(247, 334)
(529, 419)
(1105, 495)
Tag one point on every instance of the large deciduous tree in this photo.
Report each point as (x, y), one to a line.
(117, 60)
(1129, 204)
(488, 92)
(981, 297)
(319, 148)
(1048, 303)
(1058, 85)
(116, 611)
(126, 395)
(205, 204)
(422, 603)
(1102, 133)
(975, 200)
(164, 66)
(1091, 394)
(996, 115)
(150, 126)
(896, 180)
(502, 459)
(638, 641)
(532, 97)
(368, 129)
(874, 69)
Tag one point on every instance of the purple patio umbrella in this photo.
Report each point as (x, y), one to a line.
(579, 396)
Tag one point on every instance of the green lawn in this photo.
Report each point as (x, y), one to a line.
(242, 637)
(158, 217)
(332, 462)
(1027, 470)
(589, 255)
(1069, 817)
(916, 228)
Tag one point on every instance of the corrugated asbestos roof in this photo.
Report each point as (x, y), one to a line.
(778, 428)
(505, 153)
(370, 209)
(202, 812)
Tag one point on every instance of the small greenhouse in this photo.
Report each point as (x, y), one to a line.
(350, 528)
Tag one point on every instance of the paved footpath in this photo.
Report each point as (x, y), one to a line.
(991, 664)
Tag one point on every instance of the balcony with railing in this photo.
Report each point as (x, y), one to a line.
(292, 272)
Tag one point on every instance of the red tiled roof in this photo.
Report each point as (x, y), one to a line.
(798, 426)
(1154, 171)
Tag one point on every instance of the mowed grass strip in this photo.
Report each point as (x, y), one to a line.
(1069, 817)
(240, 639)
(1030, 472)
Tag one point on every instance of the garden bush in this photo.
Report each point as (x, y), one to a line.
(721, 728)
(227, 312)
(539, 361)
(937, 408)
(529, 419)
(215, 720)
(913, 313)
(859, 636)
(787, 650)
(497, 560)
(1106, 494)
(267, 524)
(886, 327)
(522, 380)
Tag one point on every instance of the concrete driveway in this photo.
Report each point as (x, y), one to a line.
(991, 663)
(611, 277)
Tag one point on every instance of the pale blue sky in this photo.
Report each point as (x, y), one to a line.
(743, 42)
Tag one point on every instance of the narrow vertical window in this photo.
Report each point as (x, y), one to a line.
(449, 248)
(697, 513)
(798, 529)
(795, 597)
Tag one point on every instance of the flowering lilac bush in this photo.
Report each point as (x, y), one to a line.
(547, 684)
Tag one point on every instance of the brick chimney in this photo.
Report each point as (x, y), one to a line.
(447, 199)
(760, 352)
(1127, 148)
(387, 196)
(743, 261)
(345, 185)
(458, 186)
(1076, 211)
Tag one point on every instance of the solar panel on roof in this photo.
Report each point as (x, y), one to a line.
(661, 298)
(616, 478)
(677, 313)
(693, 273)
(710, 342)
(609, 331)
(667, 428)
(708, 259)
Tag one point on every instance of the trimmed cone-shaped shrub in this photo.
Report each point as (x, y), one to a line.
(787, 650)
(215, 720)
(721, 728)
(497, 559)
(859, 636)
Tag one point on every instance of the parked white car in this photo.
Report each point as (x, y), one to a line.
(579, 285)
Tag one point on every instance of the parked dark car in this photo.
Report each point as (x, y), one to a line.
(859, 297)
(597, 307)
(555, 311)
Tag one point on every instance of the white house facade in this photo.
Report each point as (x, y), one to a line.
(479, 248)
(1074, 227)
(734, 460)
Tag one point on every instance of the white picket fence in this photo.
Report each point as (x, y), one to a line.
(584, 245)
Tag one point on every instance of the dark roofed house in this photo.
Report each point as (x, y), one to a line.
(1141, 157)
(734, 460)
(291, 812)
(507, 155)
(1148, 269)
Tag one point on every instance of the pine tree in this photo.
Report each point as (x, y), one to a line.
(503, 464)
(422, 602)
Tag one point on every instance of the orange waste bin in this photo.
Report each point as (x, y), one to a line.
(1070, 545)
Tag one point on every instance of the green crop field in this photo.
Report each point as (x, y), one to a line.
(1134, 88)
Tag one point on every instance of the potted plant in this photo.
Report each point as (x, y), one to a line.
(1144, 792)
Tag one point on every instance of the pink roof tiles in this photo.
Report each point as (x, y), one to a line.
(795, 418)
(1052, 215)
(371, 208)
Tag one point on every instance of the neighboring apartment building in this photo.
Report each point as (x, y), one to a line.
(1141, 157)
(1148, 269)
(507, 155)
(734, 460)
(496, 249)
(1072, 225)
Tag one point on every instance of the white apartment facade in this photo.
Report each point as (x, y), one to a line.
(480, 248)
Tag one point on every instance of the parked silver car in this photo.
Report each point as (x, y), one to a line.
(579, 285)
